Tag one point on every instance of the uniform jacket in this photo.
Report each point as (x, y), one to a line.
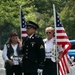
(34, 53)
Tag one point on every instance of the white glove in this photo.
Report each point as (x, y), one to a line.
(39, 70)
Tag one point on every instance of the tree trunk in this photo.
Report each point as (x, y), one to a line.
(0, 40)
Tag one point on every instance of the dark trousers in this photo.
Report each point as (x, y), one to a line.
(30, 74)
(14, 69)
(50, 68)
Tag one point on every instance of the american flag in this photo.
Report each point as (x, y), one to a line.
(62, 39)
(23, 25)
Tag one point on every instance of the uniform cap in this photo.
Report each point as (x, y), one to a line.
(13, 34)
(31, 24)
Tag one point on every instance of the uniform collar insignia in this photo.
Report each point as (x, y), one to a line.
(32, 37)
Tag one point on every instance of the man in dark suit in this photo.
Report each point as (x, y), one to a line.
(32, 50)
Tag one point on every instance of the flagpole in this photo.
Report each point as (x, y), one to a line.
(20, 22)
(55, 34)
(21, 25)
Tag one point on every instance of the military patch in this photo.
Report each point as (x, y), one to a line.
(41, 46)
(33, 42)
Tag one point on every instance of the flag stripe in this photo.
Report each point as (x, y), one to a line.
(61, 69)
(23, 35)
(60, 31)
(62, 66)
(65, 64)
(24, 32)
(62, 40)
(61, 34)
(59, 28)
(62, 37)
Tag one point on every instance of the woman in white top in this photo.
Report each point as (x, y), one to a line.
(50, 67)
(11, 52)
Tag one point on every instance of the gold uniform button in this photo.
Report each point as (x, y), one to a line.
(27, 46)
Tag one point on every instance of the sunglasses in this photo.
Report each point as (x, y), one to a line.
(48, 32)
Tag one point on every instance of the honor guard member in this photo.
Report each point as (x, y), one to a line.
(33, 50)
(11, 53)
(50, 66)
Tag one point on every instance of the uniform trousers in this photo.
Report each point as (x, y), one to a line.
(50, 67)
(15, 69)
(30, 74)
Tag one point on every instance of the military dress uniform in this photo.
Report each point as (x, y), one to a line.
(33, 50)
(33, 53)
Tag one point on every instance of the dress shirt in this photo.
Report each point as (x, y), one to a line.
(30, 36)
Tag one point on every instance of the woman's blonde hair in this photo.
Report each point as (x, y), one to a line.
(9, 41)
